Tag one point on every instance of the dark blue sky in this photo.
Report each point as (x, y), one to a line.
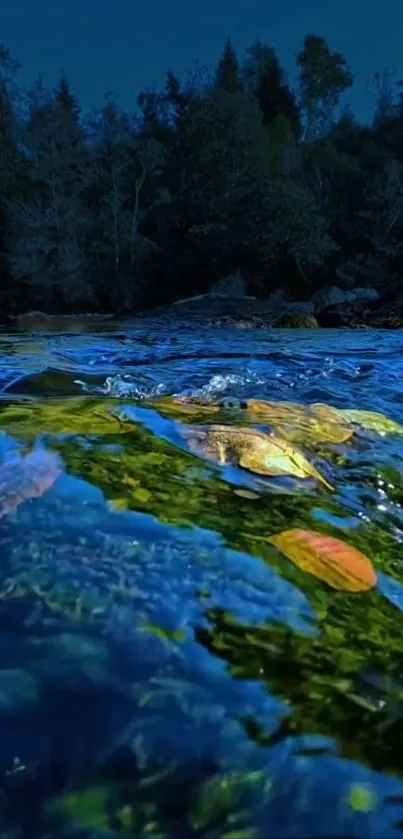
(124, 45)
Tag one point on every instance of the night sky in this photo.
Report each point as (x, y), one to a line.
(124, 45)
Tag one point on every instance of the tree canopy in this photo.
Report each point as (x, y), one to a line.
(214, 173)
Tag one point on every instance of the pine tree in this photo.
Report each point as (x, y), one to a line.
(266, 80)
(228, 73)
(47, 239)
(275, 97)
(10, 163)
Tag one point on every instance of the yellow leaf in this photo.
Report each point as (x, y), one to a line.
(334, 562)
(372, 421)
(367, 420)
(300, 422)
(326, 412)
(184, 409)
(261, 453)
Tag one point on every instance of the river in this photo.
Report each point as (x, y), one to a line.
(165, 670)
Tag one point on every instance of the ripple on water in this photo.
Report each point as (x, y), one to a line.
(354, 369)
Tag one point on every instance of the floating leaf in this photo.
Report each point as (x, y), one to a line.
(339, 565)
(261, 453)
(300, 423)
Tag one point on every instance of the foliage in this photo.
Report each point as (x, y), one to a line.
(47, 225)
(218, 172)
(124, 182)
(323, 78)
(228, 74)
(331, 560)
(266, 79)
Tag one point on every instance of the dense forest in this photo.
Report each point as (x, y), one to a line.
(229, 171)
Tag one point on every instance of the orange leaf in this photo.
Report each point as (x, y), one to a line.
(339, 565)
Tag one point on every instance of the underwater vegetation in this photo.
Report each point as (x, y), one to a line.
(201, 613)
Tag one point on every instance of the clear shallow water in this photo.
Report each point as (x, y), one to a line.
(149, 358)
(163, 671)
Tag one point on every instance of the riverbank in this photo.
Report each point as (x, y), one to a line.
(251, 313)
(215, 310)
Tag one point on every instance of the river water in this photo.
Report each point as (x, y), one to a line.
(164, 670)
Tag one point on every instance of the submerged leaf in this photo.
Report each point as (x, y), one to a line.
(334, 562)
(185, 410)
(300, 422)
(367, 420)
(261, 453)
(326, 412)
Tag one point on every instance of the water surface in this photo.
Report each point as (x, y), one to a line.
(164, 671)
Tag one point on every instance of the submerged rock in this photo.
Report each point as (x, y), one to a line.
(119, 584)
(72, 659)
(18, 691)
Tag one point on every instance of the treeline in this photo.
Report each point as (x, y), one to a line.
(223, 172)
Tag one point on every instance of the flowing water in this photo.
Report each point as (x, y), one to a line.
(165, 671)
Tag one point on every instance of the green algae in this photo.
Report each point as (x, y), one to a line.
(325, 680)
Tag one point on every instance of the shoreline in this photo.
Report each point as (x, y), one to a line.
(253, 313)
(238, 313)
